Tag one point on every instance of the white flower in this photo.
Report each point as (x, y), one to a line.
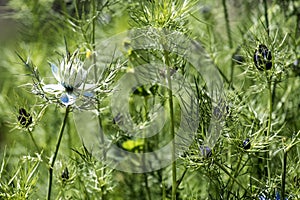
(72, 81)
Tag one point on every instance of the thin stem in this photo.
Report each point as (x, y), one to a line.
(266, 16)
(147, 186)
(93, 39)
(33, 140)
(163, 185)
(145, 149)
(230, 185)
(61, 131)
(164, 194)
(231, 176)
(227, 23)
(229, 37)
(181, 178)
(103, 171)
(98, 102)
(274, 91)
(174, 182)
(269, 124)
(283, 173)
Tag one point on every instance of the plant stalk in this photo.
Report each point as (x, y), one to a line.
(181, 178)
(269, 125)
(170, 93)
(33, 140)
(145, 149)
(266, 16)
(236, 173)
(94, 11)
(93, 39)
(231, 176)
(163, 190)
(228, 29)
(61, 131)
(227, 24)
(283, 176)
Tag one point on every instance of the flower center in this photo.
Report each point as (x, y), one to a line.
(69, 89)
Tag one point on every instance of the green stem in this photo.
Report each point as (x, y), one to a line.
(231, 176)
(283, 173)
(103, 172)
(145, 149)
(174, 182)
(229, 37)
(227, 23)
(147, 185)
(181, 178)
(93, 39)
(33, 140)
(269, 124)
(61, 131)
(266, 16)
(236, 173)
(164, 193)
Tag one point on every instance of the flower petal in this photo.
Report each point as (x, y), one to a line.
(79, 78)
(53, 88)
(87, 86)
(67, 99)
(55, 72)
(88, 94)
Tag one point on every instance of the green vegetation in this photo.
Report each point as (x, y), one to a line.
(150, 99)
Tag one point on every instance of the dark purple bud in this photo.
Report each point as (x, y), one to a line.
(206, 151)
(65, 174)
(118, 119)
(217, 112)
(220, 111)
(24, 118)
(262, 58)
(246, 144)
(277, 196)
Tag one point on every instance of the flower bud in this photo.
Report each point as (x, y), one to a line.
(24, 118)
(262, 58)
(246, 144)
(206, 151)
(65, 174)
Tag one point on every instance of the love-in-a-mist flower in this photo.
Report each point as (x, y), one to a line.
(72, 87)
